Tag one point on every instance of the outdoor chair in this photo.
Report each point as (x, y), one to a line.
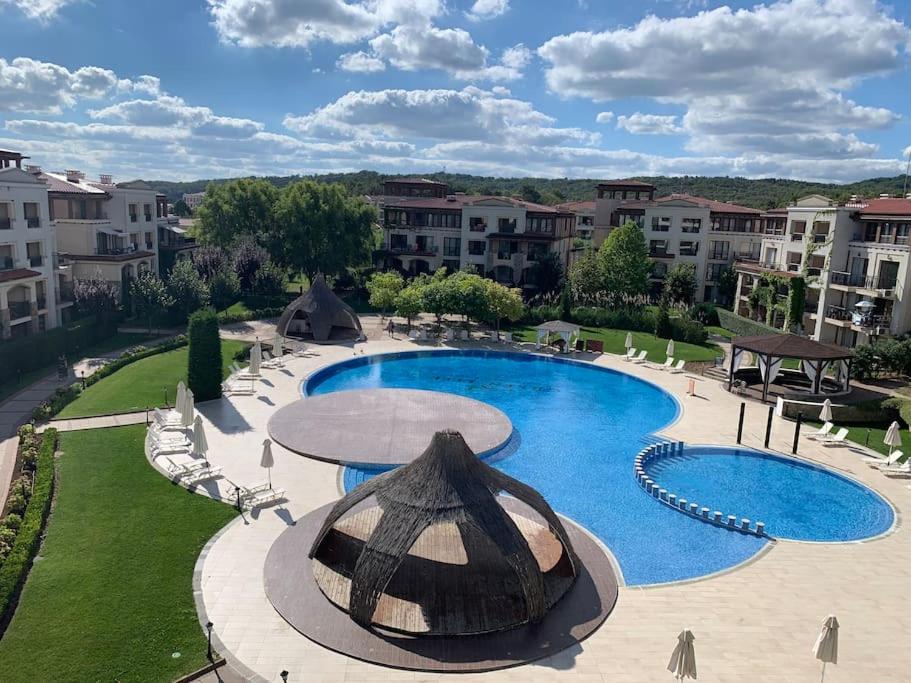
(594, 346)
(895, 460)
(630, 354)
(641, 357)
(679, 368)
(668, 364)
(838, 439)
(238, 387)
(820, 433)
(259, 495)
(202, 474)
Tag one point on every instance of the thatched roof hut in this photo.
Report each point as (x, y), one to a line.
(428, 548)
(319, 315)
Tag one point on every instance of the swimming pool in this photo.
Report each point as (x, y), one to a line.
(577, 429)
(794, 498)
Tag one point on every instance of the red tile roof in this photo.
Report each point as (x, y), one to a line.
(459, 201)
(887, 207)
(18, 274)
(712, 204)
(58, 183)
(625, 183)
(583, 205)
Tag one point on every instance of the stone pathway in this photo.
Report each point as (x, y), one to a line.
(99, 422)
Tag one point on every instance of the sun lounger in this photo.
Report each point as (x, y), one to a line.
(630, 354)
(902, 470)
(897, 458)
(167, 448)
(820, 433)
(679, 368)
(166, 436)
(193, 471)
(641, 357)
(238, 387)
(259, 495)
(668, 364)
(187, 468)
(464, 336)
(167, 418)
(506, 337)
(838, 439)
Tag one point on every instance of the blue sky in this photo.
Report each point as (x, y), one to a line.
(184, 89)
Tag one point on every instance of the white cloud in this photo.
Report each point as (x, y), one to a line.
(516, 57)
(40, 10)
(776, 70)
(487, 9)
(360, 62)
(648, 124)
(284, 23)
(27, 85)
(605, 117)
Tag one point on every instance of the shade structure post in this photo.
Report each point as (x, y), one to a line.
(731, 369)
(768, 426)
(817, 382)
(765, 379)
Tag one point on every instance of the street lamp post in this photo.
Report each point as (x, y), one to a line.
(209, 626)
(284, 675)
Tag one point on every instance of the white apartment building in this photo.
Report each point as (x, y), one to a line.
(30, 300)
(855, 260)
(194, 199)
(585, 216)
(499, 237)
(681, 228)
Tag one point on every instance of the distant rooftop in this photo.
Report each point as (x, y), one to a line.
(627, 182)
(458, 201)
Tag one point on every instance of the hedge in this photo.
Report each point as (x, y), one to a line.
(743, 326)
(41, 350)
(65, 395)
(204, 365)
(226, 319)
(633, 319)
(15, 568)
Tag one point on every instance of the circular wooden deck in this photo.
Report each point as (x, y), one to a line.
(384, 427)
(294, 593)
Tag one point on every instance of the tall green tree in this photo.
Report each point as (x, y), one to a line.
(547, 273)
(187, 289)
(384, 288)
(321, 228)
(181, 209)
(204, 361)
(410, 302)
(224, 289)
(727, 286)
(624, 263)
(679, 285)
(467, 295)
(503, 303)
(237, 208)
(150, 296)
(96, 295)
(585, 279)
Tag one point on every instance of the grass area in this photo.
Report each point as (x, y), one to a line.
(720, 331)
(121, 340)
(869, 436)
(614, 343)
(111, 598)
(298, 284)
(142, 384)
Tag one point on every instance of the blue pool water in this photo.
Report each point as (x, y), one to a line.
(795, 499)
(577, 430)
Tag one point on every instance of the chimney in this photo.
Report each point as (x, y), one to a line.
(106, 179)
(74, 176)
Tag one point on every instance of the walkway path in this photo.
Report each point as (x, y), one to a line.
(99, 422)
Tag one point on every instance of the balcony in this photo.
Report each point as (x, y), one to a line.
(660, 253)
(719, 255)
(65, 294)
(478, 227)
(818, 239)
(414, 250)
(148, 218)
(838, 313)
(862, 281)
(36, 261)
(797, 237)
(504, 256)
(149, 245)
(20, 309)
(33, 221)
(42, 303)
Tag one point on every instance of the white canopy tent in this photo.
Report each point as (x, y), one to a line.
(564, 329)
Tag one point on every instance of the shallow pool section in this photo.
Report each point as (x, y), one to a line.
(577, 428)
(795, 499)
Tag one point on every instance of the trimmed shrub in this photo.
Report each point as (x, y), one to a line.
(12, 521)
(14, 568)
(663, 324)
(204, 368)
(742, 326)
(224, 288)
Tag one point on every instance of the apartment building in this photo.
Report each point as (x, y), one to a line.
(854, 258)
(585, 216)
(500, 237)
(194, 199)
(680, 228)
(30, 298)
(174, 241)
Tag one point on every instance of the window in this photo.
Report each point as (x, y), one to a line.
(477, 224)
(147, 210)
(32, 217)
(536, 251)
(506, 225)
(452, 246)
(661, 223)
(586, 220)
(692, 225)
(885, 232)
(659, 270)
(713, 271)
(476, 247)
(719, 251)
(133, 213)
(451, 265)
(398, 242)
(505, 249)
(6, 216)
(815, 265)
(657, 248)
(794, 261)
(901, 233)
(798, 227)
(689, 248)
(149, 243)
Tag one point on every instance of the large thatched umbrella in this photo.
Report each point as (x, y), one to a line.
(318, 314)
(428, 548)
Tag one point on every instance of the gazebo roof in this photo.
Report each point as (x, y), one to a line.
(323, 309)
(438, 537)
(557, 326)
(791, 346)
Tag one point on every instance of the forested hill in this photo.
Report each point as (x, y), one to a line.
(764, 193)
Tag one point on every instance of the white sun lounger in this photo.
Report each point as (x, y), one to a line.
(641, 357)
(820, 433)
(630, 354)
(193, 472)
(897, 458)
(238, 387)
(506, 337)
(838, 439)
(668, 364)
(167, 448)
(903, 470)
(679, 368)
(167, 418)
(259, 495)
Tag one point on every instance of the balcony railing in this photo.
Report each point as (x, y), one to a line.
(133, 218)
(504, 256)
(33, 221)
(838, 313)
(149, 245)
(817, 239)
(719, 255)
(863, 281)
(148, 217)
(793, 267)
(6, 263)
(20, 309)
(429, 250)
(797, 237)
(478, 227)
(660, 253)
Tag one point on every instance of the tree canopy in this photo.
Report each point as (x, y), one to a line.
(234, 209)
(679, 285)
(624, 263)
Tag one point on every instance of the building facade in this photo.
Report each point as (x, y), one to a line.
(585, 216)
(855, 260)
(499, 237)
(681, 228)
(193, 199)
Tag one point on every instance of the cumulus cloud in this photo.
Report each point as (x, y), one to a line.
(40, 10)
(360, 62)
(27, 85)
(487, 9)
(604, 117)
(773, 70)
(648, 124)
(279, 23)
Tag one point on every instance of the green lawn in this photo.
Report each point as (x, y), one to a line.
(614, 343)
(142, 384)
(111, 598)
(121, 340)
(720, 331)
(858, 434)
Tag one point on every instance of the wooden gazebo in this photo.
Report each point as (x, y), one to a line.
(771, 349)
(429, 549)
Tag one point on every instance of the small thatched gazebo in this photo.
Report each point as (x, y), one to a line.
(320, 316)
(428, 549)
(815, 357)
